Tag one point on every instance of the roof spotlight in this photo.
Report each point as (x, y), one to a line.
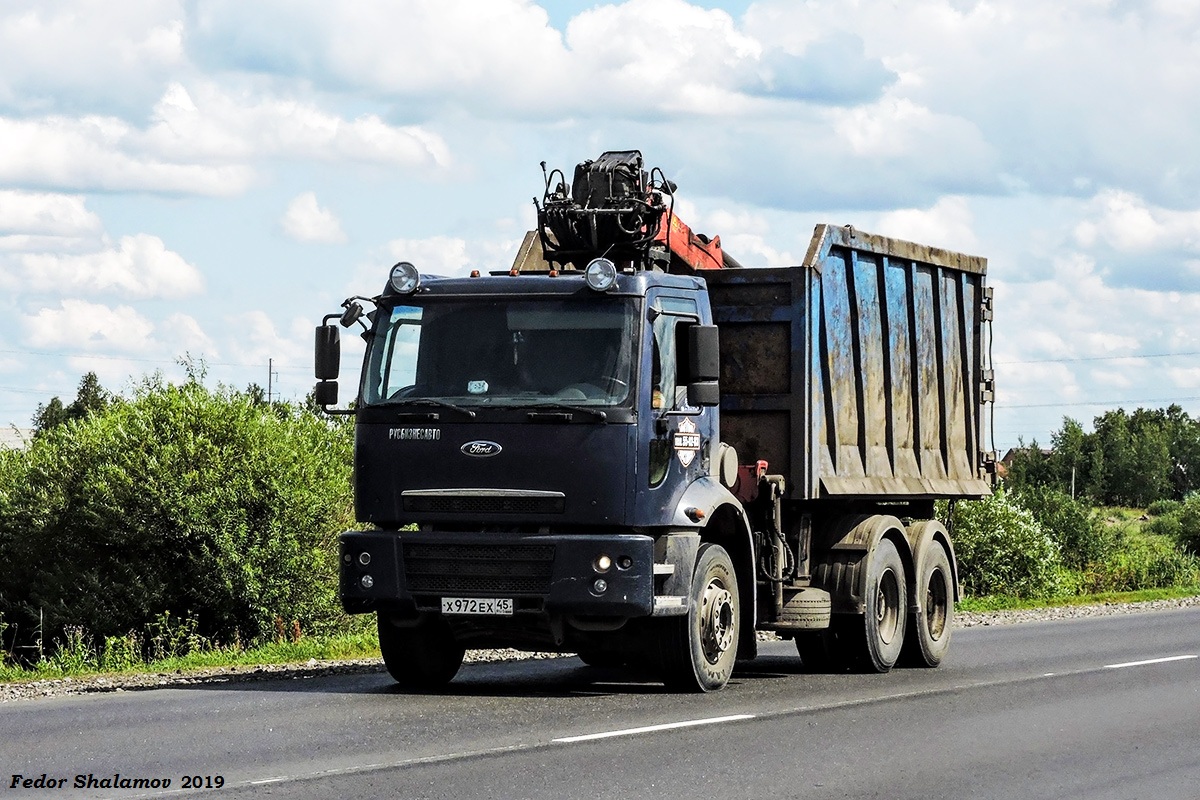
(405, 278)
(601, 274)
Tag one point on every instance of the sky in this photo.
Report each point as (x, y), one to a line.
(206, 179)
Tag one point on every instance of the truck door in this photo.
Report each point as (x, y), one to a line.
(674, 436)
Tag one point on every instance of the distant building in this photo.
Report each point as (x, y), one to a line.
(1005, 464)
(1013, 451)
(13, 438)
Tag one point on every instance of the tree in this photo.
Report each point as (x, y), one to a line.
(1069, 457)
(90, 398)
(1029, 466)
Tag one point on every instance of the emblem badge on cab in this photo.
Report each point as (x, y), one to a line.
(481, 448)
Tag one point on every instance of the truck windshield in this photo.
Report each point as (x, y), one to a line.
(487, 352)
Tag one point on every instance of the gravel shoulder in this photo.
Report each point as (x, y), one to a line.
(31, 690)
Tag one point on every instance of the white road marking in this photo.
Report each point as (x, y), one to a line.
(666, 726)
(1149, 661)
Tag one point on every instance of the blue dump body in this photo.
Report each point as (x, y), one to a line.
(861, 373)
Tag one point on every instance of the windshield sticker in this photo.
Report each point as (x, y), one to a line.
(687, 442)
(477, 387)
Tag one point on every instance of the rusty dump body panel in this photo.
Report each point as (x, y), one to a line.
(859, 374)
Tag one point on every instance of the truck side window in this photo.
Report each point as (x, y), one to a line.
(662, 376)
(668, 394)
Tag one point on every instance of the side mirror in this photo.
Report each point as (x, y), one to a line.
(325, 394)
(703, 365)
(328, 354)
(703, 353)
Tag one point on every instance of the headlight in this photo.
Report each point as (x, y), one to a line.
(405, 278)
(601, 274)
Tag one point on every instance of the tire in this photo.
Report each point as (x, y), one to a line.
(425, 656)
(697, 652)
(876, 638)
(928, 637)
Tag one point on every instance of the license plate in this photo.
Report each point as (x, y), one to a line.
(494, 606)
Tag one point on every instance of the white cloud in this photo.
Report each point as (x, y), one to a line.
(439, 255)
(745, 235)
(1126, 222)
(1038, 81)
(83, 53)
(257, 340)
(208, 122)
(181, 333)
(139, 266)
(1050, 333)
(306, 221)
(635, 58)
(99, 153)
(80, 325)
(42, 213)
(663, 54)
(425, 49)
(949, 224)
(203, 147)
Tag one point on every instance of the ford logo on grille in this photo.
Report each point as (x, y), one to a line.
(481, 448)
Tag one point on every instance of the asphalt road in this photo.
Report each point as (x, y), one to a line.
(1096, 708)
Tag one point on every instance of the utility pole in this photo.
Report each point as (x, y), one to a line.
(271, 375)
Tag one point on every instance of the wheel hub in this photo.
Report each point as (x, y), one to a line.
(716, 621)
(936, 605)
(887, 606)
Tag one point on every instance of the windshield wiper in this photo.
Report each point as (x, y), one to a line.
(427, 401)
(535, 407)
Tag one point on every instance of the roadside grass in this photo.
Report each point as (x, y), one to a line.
(1002, 603)
(77, 659)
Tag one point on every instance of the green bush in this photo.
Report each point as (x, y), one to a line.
(1081, 536)
(1002, 550)
(1181, 523)
(200, 504)
(1161, 507)
(1142, 560)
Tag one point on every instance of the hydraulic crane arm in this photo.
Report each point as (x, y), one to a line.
(615, 209)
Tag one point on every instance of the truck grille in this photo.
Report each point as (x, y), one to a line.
(469, 504)
(504, 569)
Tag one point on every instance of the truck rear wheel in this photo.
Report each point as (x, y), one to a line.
(424, 656)
(928, 637)
(877, 637)
(697, 652)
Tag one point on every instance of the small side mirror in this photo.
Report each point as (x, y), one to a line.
(325, 393)
(704, 393)
(328, 354)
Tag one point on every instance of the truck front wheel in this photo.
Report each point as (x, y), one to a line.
(422, 656)
(697, 652)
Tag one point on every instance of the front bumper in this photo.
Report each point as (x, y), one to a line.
(408, 572)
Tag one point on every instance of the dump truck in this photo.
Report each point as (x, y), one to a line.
(631, 447)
